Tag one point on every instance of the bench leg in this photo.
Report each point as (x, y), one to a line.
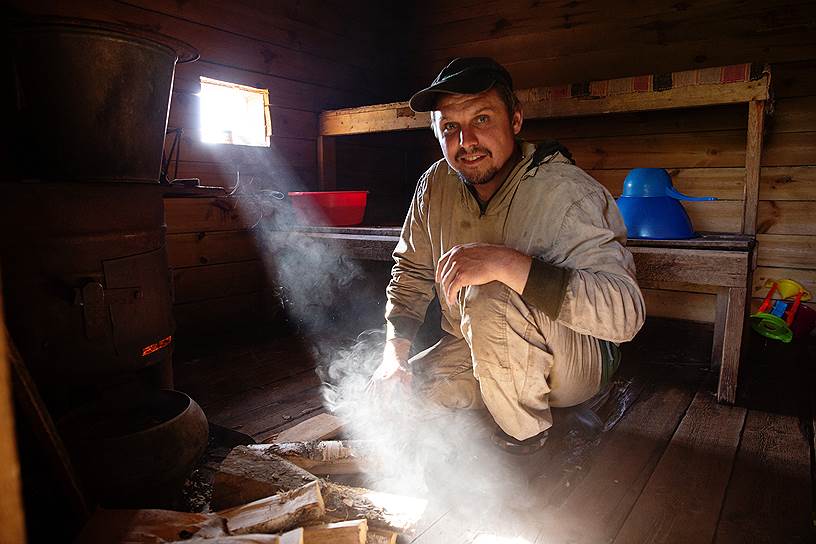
(728, 331)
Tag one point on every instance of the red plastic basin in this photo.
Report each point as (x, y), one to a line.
(329, 208)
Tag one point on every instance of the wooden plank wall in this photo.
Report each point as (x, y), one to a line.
(542, 43)
(311, 55)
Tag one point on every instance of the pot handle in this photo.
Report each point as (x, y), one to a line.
(674, 193)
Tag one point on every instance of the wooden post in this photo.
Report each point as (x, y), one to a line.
(326, 162)
(730, 320)
(12, 521)
(753, 159)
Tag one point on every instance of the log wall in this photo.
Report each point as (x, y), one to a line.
(322, 55)
(545, 43)
(311, 56)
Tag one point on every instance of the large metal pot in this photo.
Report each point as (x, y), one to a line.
(92, 99)
(136, 452)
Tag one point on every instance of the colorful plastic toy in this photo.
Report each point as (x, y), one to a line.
(773, 319)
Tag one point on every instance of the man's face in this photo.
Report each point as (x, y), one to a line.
(476, 135)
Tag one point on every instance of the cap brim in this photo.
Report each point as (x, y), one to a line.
(462, 83)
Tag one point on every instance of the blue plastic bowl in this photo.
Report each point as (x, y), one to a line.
(650, 208)
(655, 218)
(647, 182)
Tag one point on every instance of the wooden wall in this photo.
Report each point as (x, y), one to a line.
(311, 55)
(549, 43)
(315, 55)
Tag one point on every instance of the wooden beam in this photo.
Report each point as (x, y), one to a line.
(539, 104)
(730, 322)
(38, 419)
(326, 163)
(12, 521)
(753, 160)
(703, 267)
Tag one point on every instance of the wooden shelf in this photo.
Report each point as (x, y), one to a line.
(545, 103)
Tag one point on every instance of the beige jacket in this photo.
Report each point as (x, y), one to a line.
(552, 211)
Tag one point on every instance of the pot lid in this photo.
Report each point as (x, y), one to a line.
(184, 51)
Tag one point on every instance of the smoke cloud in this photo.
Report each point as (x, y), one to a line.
(446, 456)
(420, 450)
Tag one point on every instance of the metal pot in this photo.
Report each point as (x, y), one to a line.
(92, 99)
(137, 452)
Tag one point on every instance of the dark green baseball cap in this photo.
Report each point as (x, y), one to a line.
(469, 75)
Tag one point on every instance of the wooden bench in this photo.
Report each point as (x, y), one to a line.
(718, 261)
(721, 262)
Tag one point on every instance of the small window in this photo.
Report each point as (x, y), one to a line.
(234, 114)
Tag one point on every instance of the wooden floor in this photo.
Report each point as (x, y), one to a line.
(672, 465)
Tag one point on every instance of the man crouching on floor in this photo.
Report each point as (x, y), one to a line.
(526, 252)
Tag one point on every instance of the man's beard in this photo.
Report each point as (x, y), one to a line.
(483, 178)
(487, 177)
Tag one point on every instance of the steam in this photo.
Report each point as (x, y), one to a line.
(310, 278)
(421, 450)
(444, 455)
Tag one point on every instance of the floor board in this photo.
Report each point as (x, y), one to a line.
(769, 496)
(681, 502)
(597, 508)
(674, 467)
(768, 499)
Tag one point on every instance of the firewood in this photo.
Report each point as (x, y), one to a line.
(382, 510)
(294, 536)
(149, 525)
(325, 457)
(247, 474)
(279, 512)
(380, 536)
(341, 532)
(319, 427)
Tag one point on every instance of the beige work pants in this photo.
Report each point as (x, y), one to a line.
(511, 359)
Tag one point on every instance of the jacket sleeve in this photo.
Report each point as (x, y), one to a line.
(592, 288)
(412, 278)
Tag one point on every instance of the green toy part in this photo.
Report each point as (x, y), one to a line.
(771, 327)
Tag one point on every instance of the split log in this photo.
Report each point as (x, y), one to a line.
(248, 473)
(342, 532)
(294, 536)
(319, 427)
(325, 457)
(379, 536)
(276, 513)
(149, 525)
(382, 510)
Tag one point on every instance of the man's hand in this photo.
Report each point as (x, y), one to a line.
(393, 370)
(477, 264)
